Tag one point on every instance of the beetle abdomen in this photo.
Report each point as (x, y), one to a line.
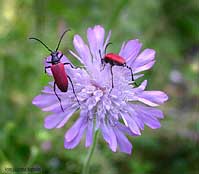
(60, 76)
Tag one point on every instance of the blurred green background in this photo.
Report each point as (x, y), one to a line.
(170, 27)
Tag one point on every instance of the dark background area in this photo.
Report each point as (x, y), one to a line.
(170, 27)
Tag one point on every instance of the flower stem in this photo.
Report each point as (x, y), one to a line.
(89, 155)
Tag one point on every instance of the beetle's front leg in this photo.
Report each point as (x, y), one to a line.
(70, 65)
(46, 67)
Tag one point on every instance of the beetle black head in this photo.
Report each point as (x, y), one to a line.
(102, 58)
(55, 58)
(103, 61)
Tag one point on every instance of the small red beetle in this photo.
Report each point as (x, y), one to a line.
(58, 70)
(114, 59)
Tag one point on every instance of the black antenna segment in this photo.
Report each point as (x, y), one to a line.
(107, 46)
(61, 39)
(34, 38)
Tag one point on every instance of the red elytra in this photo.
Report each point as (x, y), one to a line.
(115, 58)
(60, 76)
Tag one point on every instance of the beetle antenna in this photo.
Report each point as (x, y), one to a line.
(107, 46)
(61, 39)
(34, 38)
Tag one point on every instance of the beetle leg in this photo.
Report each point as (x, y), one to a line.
(46, 67)
(112, 78)
(70, 65)
(132, 76)
(58, 96)
(60, 56)
(73, 89)
(102, 60)
(103, 65)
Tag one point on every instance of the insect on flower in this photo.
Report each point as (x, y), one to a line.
(124, 111)
(57, 69)
(114, 59)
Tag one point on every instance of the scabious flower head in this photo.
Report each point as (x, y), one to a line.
(117, 112)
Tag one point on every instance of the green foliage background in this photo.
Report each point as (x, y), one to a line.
(170, 27)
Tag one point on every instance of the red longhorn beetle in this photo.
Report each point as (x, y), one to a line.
(114, 59)
(57, 68)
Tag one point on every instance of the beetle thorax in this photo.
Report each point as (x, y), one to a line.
(55, 58)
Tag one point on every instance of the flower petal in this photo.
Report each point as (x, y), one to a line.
(75, 141)
(130, 50)
(99, 36)
(73, 131)
(58, 120)
(82, 50)
(123, 143)
(133, 126)
(152, 98)
(109, 136)
(89, 133)
(144, 58)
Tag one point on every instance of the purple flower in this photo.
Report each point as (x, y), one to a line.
(124, 110)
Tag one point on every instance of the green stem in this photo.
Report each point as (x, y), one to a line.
(89, 155)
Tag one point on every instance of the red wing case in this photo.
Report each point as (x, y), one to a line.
(60, 76)
(116, 58)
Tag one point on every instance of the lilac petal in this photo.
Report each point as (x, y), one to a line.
(123, 143)
(92, 40)
(48, 90)
(150, 121)
(95, 38)
(53, 120)
(138, 76)
(73, 131)
(130, 50)
(104, 131)
(43, 100)
(125, 129)
(55, 106)
(131, 124)
(113, 140)
(99, 36)
(144, 67)
(109, 136)
(153, 111)
(67, 117)
(89, 133)
(82, 50)
(139, 122)
(122, 49)
(144, 61)
(59, 119)
(152, 98)
(75, 141)
(149, 115)
(50, 103)
(141, 88)
(144, 58)
(107, 40)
